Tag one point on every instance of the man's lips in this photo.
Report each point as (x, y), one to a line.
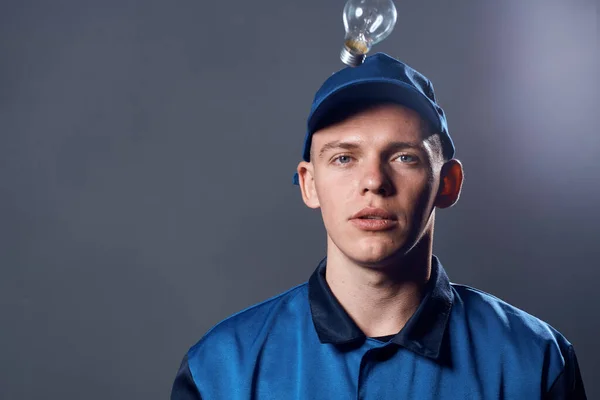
(374, 213)
(374, 219)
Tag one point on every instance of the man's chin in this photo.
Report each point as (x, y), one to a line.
(376, 258)
(380, 255)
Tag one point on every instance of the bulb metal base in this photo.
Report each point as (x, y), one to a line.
(351, 59)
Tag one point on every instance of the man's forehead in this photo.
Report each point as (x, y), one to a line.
(381, 124)
(361, 144)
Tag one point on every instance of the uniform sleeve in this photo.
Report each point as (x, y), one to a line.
(184, 387)
(568, 385)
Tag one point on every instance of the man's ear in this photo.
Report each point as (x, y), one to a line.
(451, 179)
(306, 181)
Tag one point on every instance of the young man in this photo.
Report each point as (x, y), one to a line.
(379, 318)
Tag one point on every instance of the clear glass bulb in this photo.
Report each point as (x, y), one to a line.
(367, 22)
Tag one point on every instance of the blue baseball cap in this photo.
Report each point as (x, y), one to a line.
(379, 79)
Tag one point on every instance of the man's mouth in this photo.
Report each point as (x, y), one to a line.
(374, 219)
(374, 213)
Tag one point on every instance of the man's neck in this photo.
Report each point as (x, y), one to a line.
(380, 300)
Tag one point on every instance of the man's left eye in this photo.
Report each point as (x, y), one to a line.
(406, 158)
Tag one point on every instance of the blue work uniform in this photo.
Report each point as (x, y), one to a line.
(461, 343)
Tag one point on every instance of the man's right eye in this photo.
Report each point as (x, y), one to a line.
(343, 159)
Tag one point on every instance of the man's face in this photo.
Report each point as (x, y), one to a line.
(375, 177)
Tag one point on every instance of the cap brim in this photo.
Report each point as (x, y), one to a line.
(373, 91)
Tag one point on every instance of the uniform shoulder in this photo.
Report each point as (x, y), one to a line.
(506, 317)
(250, 322)
(514, 336)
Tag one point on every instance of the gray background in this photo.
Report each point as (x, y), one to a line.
(147, 150)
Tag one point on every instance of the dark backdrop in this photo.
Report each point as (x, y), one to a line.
(147, 150)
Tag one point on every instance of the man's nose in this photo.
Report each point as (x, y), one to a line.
(376, 179)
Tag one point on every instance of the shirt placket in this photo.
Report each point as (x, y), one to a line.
(368, 363)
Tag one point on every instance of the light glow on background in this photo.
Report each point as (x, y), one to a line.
(548, 88)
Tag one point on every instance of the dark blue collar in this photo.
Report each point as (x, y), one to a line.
(423, 333)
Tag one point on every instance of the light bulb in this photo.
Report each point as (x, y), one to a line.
(367, 22)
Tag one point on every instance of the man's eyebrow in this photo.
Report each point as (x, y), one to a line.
(394, 146)
(337, 144)
(405, 145)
